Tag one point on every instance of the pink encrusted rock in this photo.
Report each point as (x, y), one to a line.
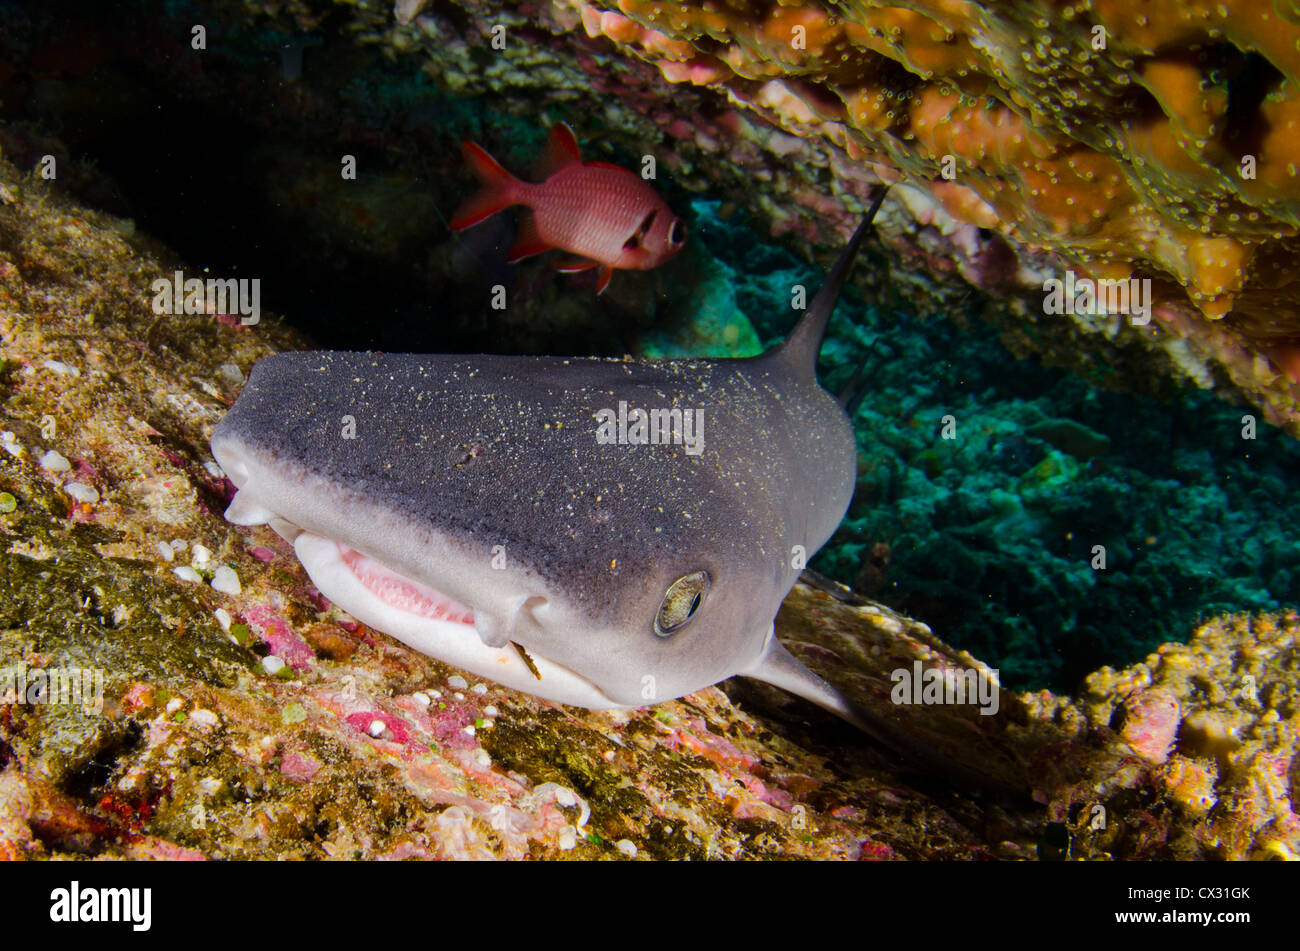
(699, 739)
(395, 727)
(275, 631)
(1152, 723)
(299, 767)
(875, 852)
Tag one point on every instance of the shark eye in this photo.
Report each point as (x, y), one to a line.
(677, 234)
(681, 603)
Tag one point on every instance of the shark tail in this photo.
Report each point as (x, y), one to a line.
(500, 189)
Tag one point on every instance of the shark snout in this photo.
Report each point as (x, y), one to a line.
(231, 457)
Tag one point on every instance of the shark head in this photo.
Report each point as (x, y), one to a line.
(603, 533)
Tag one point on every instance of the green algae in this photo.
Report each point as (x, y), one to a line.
(64, 607)
(570, 757)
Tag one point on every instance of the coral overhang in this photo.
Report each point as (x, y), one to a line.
(1119, 139)
(1127, 136)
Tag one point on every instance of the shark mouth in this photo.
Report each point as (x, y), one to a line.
(420, 616)
(404, 594)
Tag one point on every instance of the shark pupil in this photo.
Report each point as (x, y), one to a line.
(681, 602)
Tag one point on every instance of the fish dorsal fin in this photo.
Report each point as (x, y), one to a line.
(561, 150)
(804, 343)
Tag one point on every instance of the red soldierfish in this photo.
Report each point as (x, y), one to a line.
(606, 214)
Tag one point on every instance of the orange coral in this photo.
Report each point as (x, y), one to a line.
(1160, 137)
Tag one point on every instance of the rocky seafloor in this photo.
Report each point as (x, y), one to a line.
(243, 716)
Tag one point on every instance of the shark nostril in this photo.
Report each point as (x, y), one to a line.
(233, 465)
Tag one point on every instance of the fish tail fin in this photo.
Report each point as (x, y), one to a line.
(500, 189)
(805, 341)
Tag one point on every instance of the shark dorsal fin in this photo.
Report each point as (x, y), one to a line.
(804, 343)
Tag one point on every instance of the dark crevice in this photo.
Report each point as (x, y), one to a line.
(1250, 78)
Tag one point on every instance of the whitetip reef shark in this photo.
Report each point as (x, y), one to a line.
(466, 506)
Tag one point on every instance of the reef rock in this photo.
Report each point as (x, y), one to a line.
(227, 710)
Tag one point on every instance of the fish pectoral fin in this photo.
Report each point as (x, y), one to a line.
(528, 242)
(574, 265)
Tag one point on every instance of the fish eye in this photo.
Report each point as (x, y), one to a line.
(681, 602)
(678, 232)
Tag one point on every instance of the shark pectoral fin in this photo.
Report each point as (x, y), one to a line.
(782, 669)
(779, 667)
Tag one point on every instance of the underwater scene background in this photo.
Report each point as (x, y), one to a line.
(987, 537)
(998, 443)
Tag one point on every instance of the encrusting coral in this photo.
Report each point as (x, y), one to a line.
(1127, 136)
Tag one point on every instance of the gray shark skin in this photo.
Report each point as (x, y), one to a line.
(465, 505)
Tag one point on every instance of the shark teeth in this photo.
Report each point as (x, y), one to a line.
(403, 593)
(350, 580)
